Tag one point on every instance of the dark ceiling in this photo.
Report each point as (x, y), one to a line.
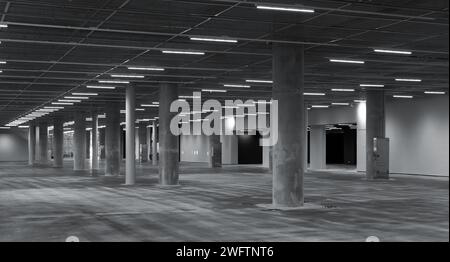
(55, 47)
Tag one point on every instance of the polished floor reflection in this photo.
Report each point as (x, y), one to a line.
(45, 204)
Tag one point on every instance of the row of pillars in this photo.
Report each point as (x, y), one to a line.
(288, 155)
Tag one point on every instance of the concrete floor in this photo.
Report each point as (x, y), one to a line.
(45, 204)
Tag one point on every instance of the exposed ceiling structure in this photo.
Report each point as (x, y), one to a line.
(51, 49)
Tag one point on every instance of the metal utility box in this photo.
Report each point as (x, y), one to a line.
(381, 157)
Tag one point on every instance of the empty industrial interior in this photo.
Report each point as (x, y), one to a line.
(330, 120)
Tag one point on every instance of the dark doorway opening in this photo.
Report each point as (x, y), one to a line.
(250, 151)
(341, 146)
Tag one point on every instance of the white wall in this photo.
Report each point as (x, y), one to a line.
(194, 148)
(418, 129)
(419, 134)
(14, 145)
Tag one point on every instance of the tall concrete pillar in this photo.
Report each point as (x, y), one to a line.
(143, 153)
(149, 142)
(112, 137)
(94, 142)
(305, 136)
(215, 151)
(79, 142)
(318, 147)
(122, 143)
(101, 142)
(288, 169)
(361, 116)
(130, 162)
(58, 142)
(375, 128)
(168, 143)
(155, 143)
(43, 144)
(32, 144)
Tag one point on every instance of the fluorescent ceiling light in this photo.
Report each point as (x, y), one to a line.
(237, 86)
(263, 102)
(140, 109)
(183, 52)
(128, 76)
(360, 101)
(101, 87)
(319, 106)
(113, 82)
(340, 104)
(5, 127)
(370, 85)
(151, 105)
(214, 90)
(1, 71)
(402, 96)
(189, 97)
(221, 40)
(259, 81)
(76, 97)
(145, 68)
(54, 107)
(407, 80)
(69, 101)
(24, 126)
(85, 94)
(342, 90)
(62, 104)
(314, 94)
(434, 93)
(3, 26)
(392, 52)
(2, 62)
(288, 9)
(347, 61)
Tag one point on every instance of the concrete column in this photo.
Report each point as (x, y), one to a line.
(149, 142)
(215, 151)
(168, 147)
(155, 144)
(137, 146)
(376, 128)
(58, 142)
(361, 137)
(122, 143)
(130, 108)
(288, 170)
(318, 147)
(305, 136)
(112, 140)
(94, 142)
(101, 142)
(43, 144)
(79, 142)
(32, 145)
(143, 143)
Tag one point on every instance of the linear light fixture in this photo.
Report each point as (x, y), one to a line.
(113, 82)
(128, 76)
(149, 105)
(2, 62)
(146, 68)
(214, 90)
(259, 81)
(340, 104)
(347, 61)
(288, 9)
(62, 104)
(402, 96)
(393, 52)
(371, 85)
(1, 71)
(237, 86)
(3, 26)
(189, 97)
(84, 94)
(314, 94)
(320, 106)
(342, 90)
(69, 101)
(220, 40)
(53, 107)
(182, 52)
(76, 97)
(434, 93)
(407, 80)
(5, 127)
(101, 87)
